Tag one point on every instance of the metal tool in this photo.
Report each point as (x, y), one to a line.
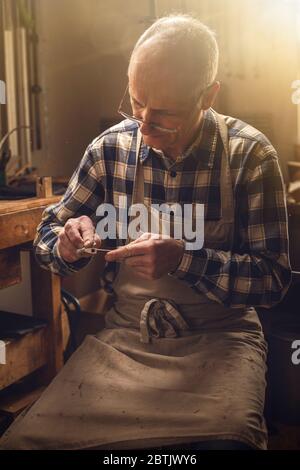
(91, 251)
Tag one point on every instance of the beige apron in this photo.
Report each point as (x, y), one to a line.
(170, 367)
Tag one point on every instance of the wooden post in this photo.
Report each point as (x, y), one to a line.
(297, 150)
(46, 304)
(44, 186)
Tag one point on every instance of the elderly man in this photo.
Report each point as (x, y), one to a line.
(181, 360)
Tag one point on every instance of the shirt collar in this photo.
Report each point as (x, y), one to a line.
(203, 148)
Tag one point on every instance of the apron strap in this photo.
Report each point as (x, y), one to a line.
(138, 189)
(223, 129)
(227, 200)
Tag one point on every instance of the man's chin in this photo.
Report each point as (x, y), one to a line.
(155, 140)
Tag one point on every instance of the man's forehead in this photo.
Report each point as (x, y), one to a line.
(162, 71)
(160, 62)
(158, 95)
(158, 82)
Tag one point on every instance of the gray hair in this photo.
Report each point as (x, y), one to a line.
(177, 30)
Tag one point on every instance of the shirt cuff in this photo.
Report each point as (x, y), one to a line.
(192, 266)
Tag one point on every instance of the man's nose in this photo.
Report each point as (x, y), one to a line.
(146, 128)
(147, 117)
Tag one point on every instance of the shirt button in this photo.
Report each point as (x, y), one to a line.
(173, 174)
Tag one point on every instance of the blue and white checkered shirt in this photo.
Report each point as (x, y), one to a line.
(256, 272)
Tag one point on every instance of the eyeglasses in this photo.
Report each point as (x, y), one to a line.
(153, 125)
(140, 121)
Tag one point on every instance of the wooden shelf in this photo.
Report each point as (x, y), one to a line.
(23, 356)
(17, 401)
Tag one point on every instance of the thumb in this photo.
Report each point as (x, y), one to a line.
(144, 236)
(96, 241)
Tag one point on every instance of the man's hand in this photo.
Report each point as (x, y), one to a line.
(150, 257)
(77, 233)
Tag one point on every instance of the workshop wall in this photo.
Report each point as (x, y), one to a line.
(83, 60)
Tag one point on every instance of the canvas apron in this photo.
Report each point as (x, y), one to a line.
(170, 367)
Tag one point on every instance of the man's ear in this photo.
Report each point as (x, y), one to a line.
(210, 95)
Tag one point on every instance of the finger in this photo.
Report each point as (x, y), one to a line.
(128, 250)
(66, 243)
(68, 255)
(97, 241)
(65, 249)
(73, 233)
(69, 250)
(87, 231)
(147, 236)
(142, 237)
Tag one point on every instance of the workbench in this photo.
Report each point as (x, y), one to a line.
(40, 350)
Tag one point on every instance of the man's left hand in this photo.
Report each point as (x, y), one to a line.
(151, 256)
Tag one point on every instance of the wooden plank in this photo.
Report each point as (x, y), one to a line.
(16, 401)
(7, 206)
(17, 227)
(23, 356)
(10, 267)
(46, 304)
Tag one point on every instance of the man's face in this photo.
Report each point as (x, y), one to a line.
(163, 97)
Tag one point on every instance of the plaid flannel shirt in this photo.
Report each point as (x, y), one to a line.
(256, 272)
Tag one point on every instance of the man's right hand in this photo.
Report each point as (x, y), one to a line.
(77, 233)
